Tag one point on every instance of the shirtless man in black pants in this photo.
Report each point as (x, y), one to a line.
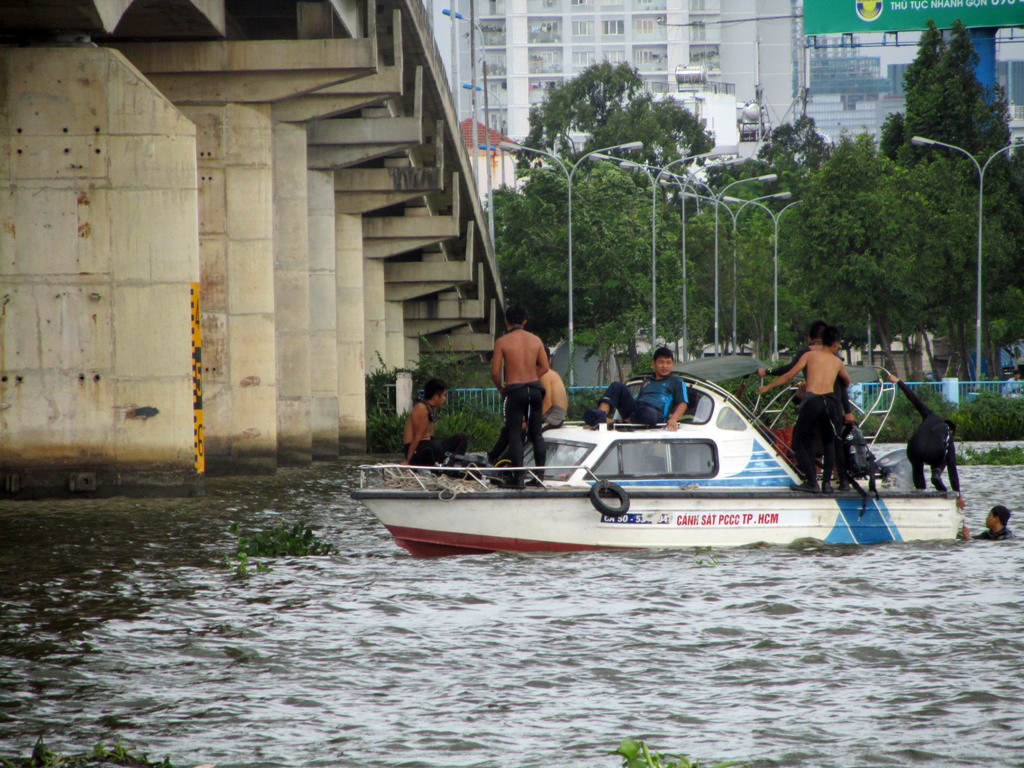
(521, 357)
(840, 408)
(821, 368)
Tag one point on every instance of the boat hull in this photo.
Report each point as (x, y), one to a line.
(566, 520)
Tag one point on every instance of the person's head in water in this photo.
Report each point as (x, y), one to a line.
(663, 362)
(435, 391)
(817, 328)
(830, 337)
(997, 519)
(515, 316)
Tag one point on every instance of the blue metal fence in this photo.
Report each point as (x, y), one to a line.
(966, 391)
(487, 398)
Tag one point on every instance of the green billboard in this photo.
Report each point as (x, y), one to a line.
(825, 17)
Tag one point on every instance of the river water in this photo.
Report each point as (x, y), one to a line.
(119, 619)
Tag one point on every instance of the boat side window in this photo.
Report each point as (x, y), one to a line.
(729, 419)
(700, 408)
(564, 454)
(658, 458)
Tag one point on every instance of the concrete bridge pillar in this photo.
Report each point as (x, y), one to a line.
(376, 320)
(291, 296)
(350, 337)
(323, 316)
(400, 350)
(237, 255)
(98, 264)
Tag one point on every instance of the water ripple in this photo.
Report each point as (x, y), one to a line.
(118, 619)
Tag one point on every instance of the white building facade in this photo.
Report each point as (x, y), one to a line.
(749, 50)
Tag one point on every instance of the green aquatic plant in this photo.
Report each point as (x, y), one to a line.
(282, 540)
(705, 556)
(636, 754)
(1001, 455)
(101, 754)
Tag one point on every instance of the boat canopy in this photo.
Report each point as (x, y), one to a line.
(726, 367)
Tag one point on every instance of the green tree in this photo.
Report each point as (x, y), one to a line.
(946, 102)
(609, 105)
(857, 257)
(611, 255)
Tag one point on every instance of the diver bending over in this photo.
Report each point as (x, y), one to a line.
(931, 444)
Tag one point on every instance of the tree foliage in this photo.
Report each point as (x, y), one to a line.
(885, 236)
(609, 105)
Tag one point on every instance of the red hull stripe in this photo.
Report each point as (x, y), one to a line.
(423, 543)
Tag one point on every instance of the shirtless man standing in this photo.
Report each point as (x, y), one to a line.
(521, 357)
(821, 367)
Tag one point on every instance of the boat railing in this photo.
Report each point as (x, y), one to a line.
(871, 407)
(451, 481)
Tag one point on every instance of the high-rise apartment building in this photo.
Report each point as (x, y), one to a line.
(747, 48)
(705, 53)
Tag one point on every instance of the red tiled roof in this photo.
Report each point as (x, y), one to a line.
(485, 135)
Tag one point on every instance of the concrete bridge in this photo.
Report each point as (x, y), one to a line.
(215, 216)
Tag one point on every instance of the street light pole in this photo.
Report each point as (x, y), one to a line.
(767, 178)
(682, 184)
(775, 281)
(736, 218)
(454, 15)
(629, 165)
(569, 173)
(626, 164)
(921, 141)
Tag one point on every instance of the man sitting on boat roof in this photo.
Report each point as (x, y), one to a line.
(661, 399)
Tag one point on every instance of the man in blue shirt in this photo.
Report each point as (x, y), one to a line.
(661, 399)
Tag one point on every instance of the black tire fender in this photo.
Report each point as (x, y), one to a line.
(608, 488)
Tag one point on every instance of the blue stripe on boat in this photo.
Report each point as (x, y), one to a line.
(863, 523)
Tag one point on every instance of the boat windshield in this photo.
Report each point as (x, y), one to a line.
(562, 453)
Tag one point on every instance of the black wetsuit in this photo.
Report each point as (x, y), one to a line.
(814, 419)
(931, 444)
(524, 401)
(838, 406)
(987, 535)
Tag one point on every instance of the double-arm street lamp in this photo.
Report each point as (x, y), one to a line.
(921, 141)
(683, 183)
(775, 243)
(767, 178)
(654, 178)
(735, 220)
(569, 174)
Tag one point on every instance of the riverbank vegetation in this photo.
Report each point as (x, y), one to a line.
(43, 756)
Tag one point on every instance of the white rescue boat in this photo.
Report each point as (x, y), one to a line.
(721, 480)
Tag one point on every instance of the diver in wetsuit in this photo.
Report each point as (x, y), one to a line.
(823, 367)
(932, 444)
(519, 361)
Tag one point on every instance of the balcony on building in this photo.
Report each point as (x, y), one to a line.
(544, 31)
(493, 33)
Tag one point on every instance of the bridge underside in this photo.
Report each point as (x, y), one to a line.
(216, 216)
